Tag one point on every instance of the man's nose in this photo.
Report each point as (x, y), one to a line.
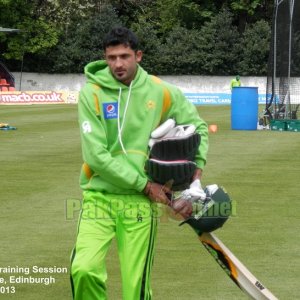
(119, 62)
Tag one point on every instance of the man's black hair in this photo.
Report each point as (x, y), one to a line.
(121, 36)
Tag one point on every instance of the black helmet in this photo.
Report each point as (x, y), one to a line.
(214, 213)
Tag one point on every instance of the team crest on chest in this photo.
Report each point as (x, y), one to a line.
(150, 104)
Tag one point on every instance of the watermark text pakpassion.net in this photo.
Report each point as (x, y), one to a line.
(133, 209)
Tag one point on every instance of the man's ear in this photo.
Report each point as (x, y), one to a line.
(138, 56)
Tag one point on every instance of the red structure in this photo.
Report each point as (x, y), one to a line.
(7, 80)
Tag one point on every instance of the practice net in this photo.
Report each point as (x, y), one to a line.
(283, 82)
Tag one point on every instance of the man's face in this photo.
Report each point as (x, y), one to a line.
(122, 61)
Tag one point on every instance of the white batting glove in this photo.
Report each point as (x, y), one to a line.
(195, 192)
(163, 129)
(169, 130)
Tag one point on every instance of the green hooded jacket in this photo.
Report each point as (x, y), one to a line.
(115, 126)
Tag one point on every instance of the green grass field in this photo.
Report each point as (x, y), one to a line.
(40, 164)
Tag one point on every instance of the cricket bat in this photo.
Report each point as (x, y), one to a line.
(240, 275)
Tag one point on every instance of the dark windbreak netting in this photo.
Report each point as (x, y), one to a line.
(283, 82)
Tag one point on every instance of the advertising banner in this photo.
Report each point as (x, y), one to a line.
(216, 98)
(38, 97)
(71, 97)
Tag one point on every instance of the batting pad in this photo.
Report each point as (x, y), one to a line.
(176, 148)
(178, 174)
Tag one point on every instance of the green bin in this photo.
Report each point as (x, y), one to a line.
(279, 125)
(293, 125)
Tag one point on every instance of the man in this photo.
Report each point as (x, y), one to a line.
(235, 82)
(118, 108)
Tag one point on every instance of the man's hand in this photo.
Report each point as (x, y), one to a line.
(197, 174)
(183, 207)
(157, 192)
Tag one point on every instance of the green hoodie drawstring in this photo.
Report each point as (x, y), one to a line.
(120, 128)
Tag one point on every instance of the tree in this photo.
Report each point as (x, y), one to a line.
(255, 44)
(177, 36)
(243, 9)
(36, 34)
(183, 13)
(82, 44)
(149, 43)
(219, 52)
(180, 54)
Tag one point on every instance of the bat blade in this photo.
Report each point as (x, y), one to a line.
(241, 276)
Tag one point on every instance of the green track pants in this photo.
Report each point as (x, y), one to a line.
(130, 219)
